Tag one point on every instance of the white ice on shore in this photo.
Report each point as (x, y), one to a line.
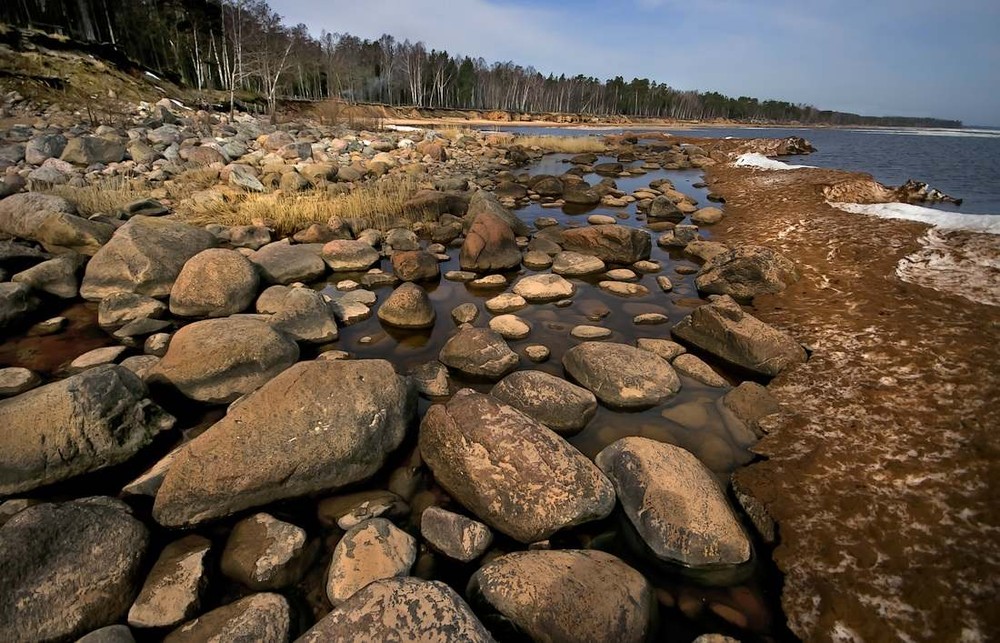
(984, 223)
(761, 162)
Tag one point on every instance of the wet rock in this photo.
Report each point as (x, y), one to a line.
(706, 216)
(664, 283)
(623, 289)
(16, 303)
(282, 263)
(509, 470)
(373, 550)
(218, 360)
(694, 367)
(431, 379)
(134, 332)
(354, 306)
(750, 402)
(723, 329)
(544, 287)
(563, 407)
(674, 503)
(404, 609)
(415, 265)
(68, 568)
(622, 274)
(484, 202)
(663, 209)
(96, 357)
(264, 553)
(537, 353)
(536, 260)
(541, 592)
(408, 307)
(489, 246)
(121, 308)
(317, 426)
(665, 348)
(745, 272)
(51, 221)
(144, 256)
(305, 317)
(479, 352)
(264, 618)
(650, 319)
(490, 281)
(454, 535)
(621, 376)
(609, 243)
(510, 326)
(705, 250)
(87, 422)
(586, 332)
(15, 380)
(506, 302)
(214, 283)
(343, 255)
(173, 588)
(349, 511)
(465, 313)
(88, 150)
(56, 277)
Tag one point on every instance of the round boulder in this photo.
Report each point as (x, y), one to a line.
(620, 375)
(214, 283)
(408, 307)
(563, 407)
(479, 352)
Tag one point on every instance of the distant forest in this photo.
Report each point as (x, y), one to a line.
(243, 45)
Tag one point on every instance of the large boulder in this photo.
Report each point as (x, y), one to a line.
(663, 209)
(51, 221)
(69, 568)
(609, 243)
(489, 246)
(674, 503)
(415, 265)
(283, 263)
(305, 316)
(56, 276)
(218, 360)
(263, 618)
(556, 403)
(723, 329)
(745, 272)
(479, 353)
(370, 551)
(214, 283)
(87, 150)
(541, 593)
(620, 375)
(482, 201)
(408, 307)
(508, 469)
(144, 256)
(96, 419)
(317, 426)
(400, 609)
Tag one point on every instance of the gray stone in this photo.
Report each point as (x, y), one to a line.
(43, 147)
(282, 263)
(96, 357)
(665, 348)
(674, 503)
(563, 407)
(509, 470)
(87, 422)
(371, 551)
(16, 303)
(51, 221)
(694, 367)
(55, 277)
(620, 603)
(574, 264)
(745, 272)
(454, 535)
(109, 634)
(88, 150)
(431, 379)
(305, 316)
(609, 243)
(621, 376)
(465, 313)
(317, 426)
(69, 568)
(173, 588)
(218, 360)
(121, 308)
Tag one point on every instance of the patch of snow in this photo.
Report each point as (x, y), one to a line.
(761, 162)
(984, 223)
(402, 128)
(153, 76)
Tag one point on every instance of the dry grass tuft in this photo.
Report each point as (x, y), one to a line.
(104, 197)
(563, 144)
(377, 204)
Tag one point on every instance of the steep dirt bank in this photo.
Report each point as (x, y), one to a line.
(883, 474)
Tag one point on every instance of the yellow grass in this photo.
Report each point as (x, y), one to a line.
(563, 144)
(376, 204)
(104, 197)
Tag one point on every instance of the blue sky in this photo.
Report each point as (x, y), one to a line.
(876, 57)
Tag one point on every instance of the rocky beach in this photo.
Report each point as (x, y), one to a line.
(304, 381)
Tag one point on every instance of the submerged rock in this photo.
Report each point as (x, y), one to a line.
(508, 469)
(541, 592)
(317, 426)
(609, 243)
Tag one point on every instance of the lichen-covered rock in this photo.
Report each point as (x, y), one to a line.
(317, 426)
(408, 307)
(263, 553)
(68, 568)
(621, 376)
(511, 471)
(173, 588)
(674, 503)
(372, 550)
(400, 609)
(479, 352)
(454, 535)
(262, 618)
(415, 265)
(542, 592)
(489, 245)
(746, 271)
(87, 422)
(563, 407)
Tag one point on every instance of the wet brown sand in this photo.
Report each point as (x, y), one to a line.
(883, 474)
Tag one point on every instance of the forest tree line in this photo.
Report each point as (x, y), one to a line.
(244, 45)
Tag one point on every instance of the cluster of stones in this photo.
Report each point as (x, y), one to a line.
(223, 315)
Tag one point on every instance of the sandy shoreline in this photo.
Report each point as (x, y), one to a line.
(882, 474)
